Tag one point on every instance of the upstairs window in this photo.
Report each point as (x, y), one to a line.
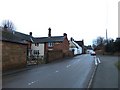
(36, 52)
(37, 44)
(50, 44)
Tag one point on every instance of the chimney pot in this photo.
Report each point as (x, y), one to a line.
(30, 33)
(49, 32)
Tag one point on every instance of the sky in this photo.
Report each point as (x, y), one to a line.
(80, 19)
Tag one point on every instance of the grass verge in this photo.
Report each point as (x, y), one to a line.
(118, 65)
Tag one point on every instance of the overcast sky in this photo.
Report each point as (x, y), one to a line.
(80, 19)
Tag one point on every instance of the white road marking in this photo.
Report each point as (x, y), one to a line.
(32, 82)
(68, 66)
(56, 71)
(98, 60)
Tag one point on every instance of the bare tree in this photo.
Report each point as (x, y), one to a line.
(98, 43)
(7, 24)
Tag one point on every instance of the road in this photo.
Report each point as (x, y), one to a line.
(68, 73)
(107, 74)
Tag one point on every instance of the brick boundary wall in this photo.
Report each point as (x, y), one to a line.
(13, 56)
(54, 55)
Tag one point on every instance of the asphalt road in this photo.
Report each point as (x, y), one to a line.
(107, 74)
(68, 73)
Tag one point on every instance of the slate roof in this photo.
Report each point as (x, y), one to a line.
(48, 39)
(80, 43)
(14, 36)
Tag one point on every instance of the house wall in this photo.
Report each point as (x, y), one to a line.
(54, 55)
(13, 55)
(64, 46)
(40, 47)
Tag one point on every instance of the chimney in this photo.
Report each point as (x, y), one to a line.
(65, 35)
(30, 33)
(49, 32)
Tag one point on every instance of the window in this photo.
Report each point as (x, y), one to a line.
(37, 44)
(50, 44)
(36, 52)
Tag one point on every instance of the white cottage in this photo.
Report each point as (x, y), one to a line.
(73, 46)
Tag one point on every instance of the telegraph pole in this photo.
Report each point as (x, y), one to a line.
(106, 36)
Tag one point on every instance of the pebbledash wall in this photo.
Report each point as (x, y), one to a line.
(13, 55)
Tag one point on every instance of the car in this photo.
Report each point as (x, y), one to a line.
(93, 53)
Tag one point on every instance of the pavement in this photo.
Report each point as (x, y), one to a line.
(68, 73)
(106, 75)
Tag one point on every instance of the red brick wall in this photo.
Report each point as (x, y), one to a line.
(54, 55)
(13, 55)
(64, 46)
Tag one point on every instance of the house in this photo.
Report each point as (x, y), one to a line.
(73, 46)
(14, 51)
(81, 44)
(47, 45)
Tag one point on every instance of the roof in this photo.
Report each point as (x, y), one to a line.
(13, 36)
(48, 39)
(23, 36)
(80, 43)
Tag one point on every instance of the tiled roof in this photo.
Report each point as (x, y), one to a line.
(48, 39)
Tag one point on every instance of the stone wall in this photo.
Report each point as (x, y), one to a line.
(13, 55)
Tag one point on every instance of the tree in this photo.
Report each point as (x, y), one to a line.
(110, 46)
(117, 44)
(7, 24)
(98, 43)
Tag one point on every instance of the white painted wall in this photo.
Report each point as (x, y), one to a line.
(76, 47)
(40, 48)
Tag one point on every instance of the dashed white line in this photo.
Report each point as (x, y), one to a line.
(56, 71)
(32, 82)
(68, 66)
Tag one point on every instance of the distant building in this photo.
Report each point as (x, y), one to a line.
(81, 43)
(73, 46)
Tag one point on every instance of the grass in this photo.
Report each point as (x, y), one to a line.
(118, 65)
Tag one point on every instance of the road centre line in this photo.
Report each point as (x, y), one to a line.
(68, 66)
(32, 82)
(56, 71)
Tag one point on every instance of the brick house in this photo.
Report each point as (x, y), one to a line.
(59, 45)
(14, 51)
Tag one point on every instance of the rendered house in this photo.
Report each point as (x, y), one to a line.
(73, 46)
(81, 44)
